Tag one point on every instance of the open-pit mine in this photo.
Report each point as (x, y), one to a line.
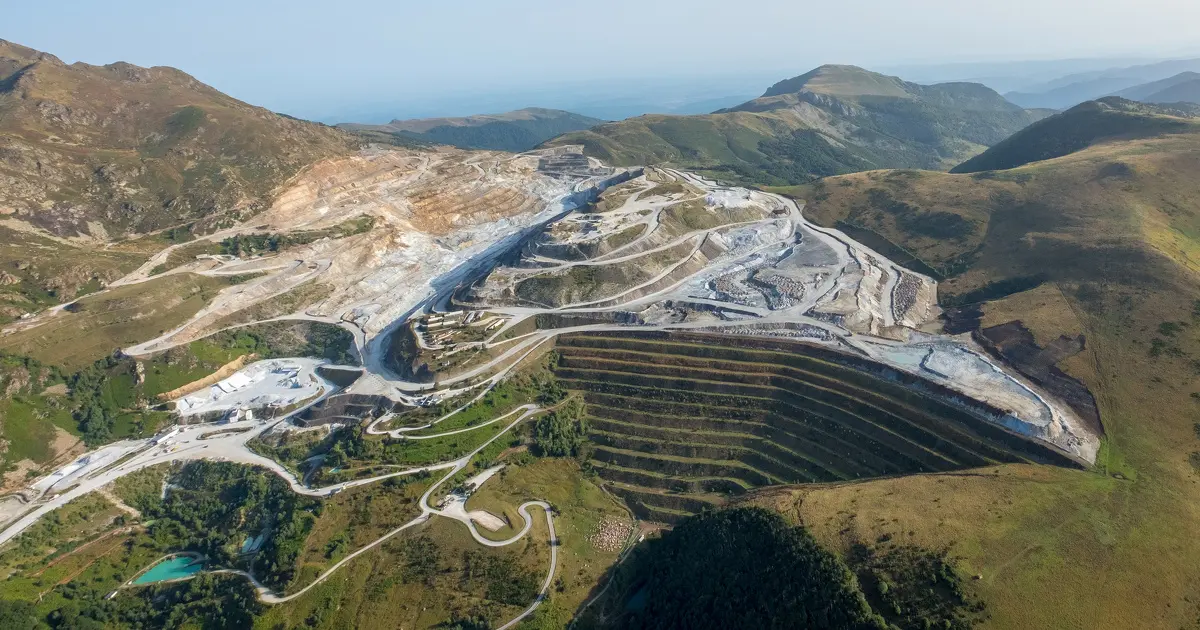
(719, 340)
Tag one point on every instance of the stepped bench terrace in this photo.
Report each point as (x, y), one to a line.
(681, 421)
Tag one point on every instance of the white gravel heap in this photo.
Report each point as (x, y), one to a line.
(274, 382)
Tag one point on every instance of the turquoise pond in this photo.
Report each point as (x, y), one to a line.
(171, 569)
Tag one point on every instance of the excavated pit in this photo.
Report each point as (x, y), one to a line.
(680, 421)
(527, 248)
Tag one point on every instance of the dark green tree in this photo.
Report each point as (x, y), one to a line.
(743, 568)
(15, 615)
(562, 432)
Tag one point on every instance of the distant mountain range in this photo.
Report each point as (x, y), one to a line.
(1181, 88)
(834, 119)
(1007, 76)
(1148, 83)
(517, 131)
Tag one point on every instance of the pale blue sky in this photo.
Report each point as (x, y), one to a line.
(331, 60)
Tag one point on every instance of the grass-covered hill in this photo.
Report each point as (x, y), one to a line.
(1103, 243)
(833, 120)
(1083, 126)
(108, 150)
(515, 131)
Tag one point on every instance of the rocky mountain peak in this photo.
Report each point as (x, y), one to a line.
(10, 51)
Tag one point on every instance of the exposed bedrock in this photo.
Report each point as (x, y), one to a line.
(530, 246)
(345, 409)
(1013, 343)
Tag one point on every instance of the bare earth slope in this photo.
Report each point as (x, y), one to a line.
(109, 150)
(92, 158)
(438, 217)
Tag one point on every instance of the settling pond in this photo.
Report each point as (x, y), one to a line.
(175, 568)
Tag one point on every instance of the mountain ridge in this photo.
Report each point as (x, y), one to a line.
(1070, 90)
(1185, 92)
(840, 80)
(516, 131)
(1084, 267)
(832, 119)
(1147, 92)
(96, 151)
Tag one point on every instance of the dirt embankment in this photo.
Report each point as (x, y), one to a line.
(223, 373)
(64, 448)
(1014, 344)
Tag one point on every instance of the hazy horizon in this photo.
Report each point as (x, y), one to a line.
(374, 60)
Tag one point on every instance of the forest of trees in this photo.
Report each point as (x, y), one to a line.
(207, 602)
(747, 567)
(562, 432)
(214, 506)
(743, 568)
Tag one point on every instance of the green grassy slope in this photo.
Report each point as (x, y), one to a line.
(1119, 212)
(515, 131)
(841, 80)
(1083, 126)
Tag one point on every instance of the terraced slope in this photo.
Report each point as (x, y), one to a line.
(678, 420)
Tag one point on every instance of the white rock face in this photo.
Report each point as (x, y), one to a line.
(438, 216)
